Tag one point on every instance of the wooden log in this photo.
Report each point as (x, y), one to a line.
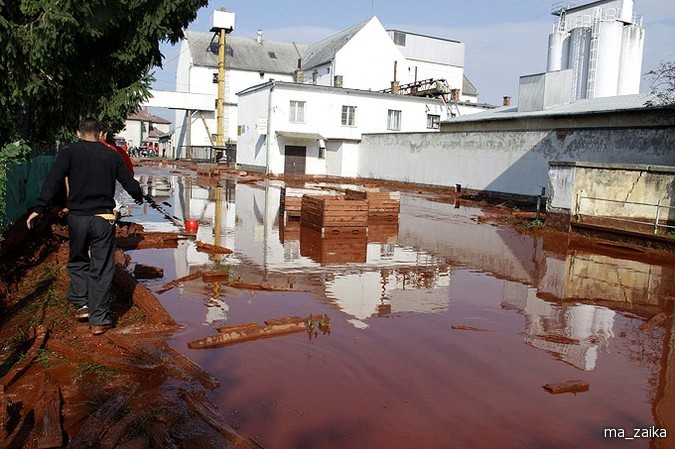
(171, 284)
(48, 415)
(191, 368)
(246, 334)
(653, 322)
(213, 249)
(469, 328)
(159, 437)
(148, 241)
(208, 411)
(143, 298)
(17, 370)
(99, 421)
(198, 442)
(238, 327)
(571, 386)
(114, 433)
(284, 320)
(5, 405)
(147, 272)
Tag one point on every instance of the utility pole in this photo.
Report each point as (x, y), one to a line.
(222, 23)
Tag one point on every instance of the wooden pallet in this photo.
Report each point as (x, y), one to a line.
(333, 211)
(382, 206)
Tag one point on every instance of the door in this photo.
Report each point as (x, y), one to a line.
(294, 163)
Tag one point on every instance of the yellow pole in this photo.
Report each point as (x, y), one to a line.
(220, 136)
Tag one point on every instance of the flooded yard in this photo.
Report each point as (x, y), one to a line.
(444, 328)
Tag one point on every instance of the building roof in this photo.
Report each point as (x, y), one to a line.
(244, 53)
(324, 51)
(577, 107)
(145, 116)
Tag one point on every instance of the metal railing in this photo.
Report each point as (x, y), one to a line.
(658, 221)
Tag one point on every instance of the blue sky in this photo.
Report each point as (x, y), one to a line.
(504, 40)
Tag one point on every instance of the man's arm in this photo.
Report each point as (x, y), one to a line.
(52, 185)
(128, 182)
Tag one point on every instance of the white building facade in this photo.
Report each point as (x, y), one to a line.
(294, 128)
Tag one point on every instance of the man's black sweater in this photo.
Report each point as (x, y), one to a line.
(92, 169)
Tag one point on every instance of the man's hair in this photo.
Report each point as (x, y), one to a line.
(90, 126)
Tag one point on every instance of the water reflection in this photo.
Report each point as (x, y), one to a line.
(563, 300)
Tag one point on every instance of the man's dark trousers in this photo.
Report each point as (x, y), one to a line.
(91, 275)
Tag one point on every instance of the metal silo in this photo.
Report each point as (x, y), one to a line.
(579, 56)
(558, 51)
(630, 70)
(605, 81)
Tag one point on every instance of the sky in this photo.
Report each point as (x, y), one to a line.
(503, 40)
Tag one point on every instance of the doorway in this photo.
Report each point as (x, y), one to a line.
(294, 163)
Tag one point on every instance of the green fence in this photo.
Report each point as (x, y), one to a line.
(23, 182)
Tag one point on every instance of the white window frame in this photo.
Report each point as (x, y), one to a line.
(296, 111)
(394, 120)
(348, 115)
(433, 121)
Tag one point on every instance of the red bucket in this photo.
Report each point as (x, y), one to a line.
(191, 226)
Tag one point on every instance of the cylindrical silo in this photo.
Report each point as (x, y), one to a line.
(579, 54)
(606, 80)
(630, 69)
(556, 42)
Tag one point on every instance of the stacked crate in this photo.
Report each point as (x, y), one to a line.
(290, 205)
(333, 248)
(334, 215)
(382, 206)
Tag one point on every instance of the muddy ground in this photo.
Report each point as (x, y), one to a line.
(62, 387)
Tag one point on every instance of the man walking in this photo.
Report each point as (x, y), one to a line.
(91, 170)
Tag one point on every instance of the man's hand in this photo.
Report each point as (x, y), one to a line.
(30, 218)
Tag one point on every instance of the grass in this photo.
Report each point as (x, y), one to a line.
(94, 368)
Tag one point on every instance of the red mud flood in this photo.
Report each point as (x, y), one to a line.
(393, 373)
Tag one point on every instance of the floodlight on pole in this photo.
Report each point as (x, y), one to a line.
(222, 23)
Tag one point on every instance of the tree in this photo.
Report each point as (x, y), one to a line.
(62, 60)
(662, 85)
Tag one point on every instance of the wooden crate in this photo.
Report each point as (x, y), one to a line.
(330, 249)
(384, 232)
(333, 211)
(289, 231)
(382, 206)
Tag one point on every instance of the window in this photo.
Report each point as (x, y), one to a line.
(296, 112)
(348, 115)
(272, 55)
(399, 38)
(394, 120)
(433, 121)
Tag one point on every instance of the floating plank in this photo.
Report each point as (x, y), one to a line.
(246, 334)
(149, 240)
(213, 249)
(208, 411)
(48, 415)
(143, 298)
(469, 328)
(215, 276)
(99, 421)
(171, 284)
(653, 322)
(571, 386)
(17, 370)
(261, 287)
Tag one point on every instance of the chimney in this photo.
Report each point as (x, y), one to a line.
(507, 101)
(395, 86)
(260, 36)
(299, 74)
(454, 94)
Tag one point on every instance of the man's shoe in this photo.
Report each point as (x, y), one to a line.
(82, 313)
(101, 329)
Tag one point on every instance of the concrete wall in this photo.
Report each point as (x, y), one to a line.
(612, 190)
(513, 162)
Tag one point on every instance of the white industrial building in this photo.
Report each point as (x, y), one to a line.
(595, 50)
(364, 57)
(296, 128)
